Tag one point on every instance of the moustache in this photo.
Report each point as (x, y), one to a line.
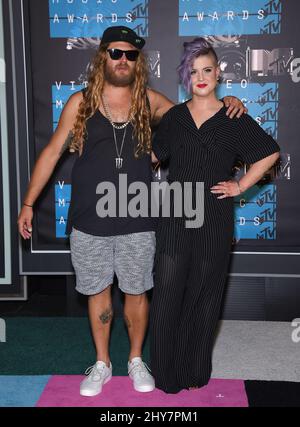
(122, 67)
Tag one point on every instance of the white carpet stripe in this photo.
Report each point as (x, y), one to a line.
(256, 350)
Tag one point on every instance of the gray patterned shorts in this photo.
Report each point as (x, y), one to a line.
(95, 260)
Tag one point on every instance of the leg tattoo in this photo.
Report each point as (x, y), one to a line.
(127, 321)
(106, 316)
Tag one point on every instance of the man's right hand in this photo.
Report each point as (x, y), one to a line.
(47, 161)
(25, 221)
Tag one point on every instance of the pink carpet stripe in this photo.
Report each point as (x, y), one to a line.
(63, 391)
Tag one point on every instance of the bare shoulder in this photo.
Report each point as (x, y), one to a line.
(159, 104)
(152, 94)
(74, 101)
(71, 108)
(60, 140)
(157, 99)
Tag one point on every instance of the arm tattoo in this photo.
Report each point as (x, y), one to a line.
(106, 316)
(66, 143)
(127, 321)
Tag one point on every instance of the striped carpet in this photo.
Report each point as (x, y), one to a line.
(43, 359)
(63, 391)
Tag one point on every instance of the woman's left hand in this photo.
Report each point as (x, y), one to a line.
(227, 188)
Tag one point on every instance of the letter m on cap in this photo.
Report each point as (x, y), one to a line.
(2, 330)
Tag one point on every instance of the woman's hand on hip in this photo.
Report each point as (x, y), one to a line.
(226, 188)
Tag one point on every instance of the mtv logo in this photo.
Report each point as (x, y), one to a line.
(83, 43)
(267, 233)
(283, 169)
(232, 62)
(280, 170)
(2, 330)
(154, 63)
(263, 63)
(227, 40)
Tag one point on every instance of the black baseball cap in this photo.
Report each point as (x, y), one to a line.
(122, 34)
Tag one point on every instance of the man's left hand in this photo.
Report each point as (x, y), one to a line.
(235, 107)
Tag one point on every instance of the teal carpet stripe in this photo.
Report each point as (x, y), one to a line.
(58, 345)
(21, 391)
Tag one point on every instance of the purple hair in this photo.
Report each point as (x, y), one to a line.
(192, 50)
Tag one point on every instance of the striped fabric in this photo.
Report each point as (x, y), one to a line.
(191, 264)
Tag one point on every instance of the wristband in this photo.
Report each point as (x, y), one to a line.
(30, 206)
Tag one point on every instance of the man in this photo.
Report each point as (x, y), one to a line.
(109, 125)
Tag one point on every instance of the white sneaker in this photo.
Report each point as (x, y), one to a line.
(98, 375)
(139, 372)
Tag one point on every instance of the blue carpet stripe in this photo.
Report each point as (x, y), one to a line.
(21, 391)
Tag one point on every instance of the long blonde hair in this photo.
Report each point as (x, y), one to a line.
(139, 111)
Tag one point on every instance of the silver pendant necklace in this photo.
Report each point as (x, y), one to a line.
(118, 159)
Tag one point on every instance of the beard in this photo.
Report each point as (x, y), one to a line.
(119, 80)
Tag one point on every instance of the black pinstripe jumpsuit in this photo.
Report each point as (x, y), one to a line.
(191, 264)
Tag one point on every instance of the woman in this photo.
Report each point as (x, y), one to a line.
(201, 144)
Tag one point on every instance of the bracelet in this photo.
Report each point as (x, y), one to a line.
(30, 206)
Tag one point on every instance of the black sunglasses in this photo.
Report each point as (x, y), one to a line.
(131, 55)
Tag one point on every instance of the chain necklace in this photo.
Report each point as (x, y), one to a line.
(118, 159)
(108, 115)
